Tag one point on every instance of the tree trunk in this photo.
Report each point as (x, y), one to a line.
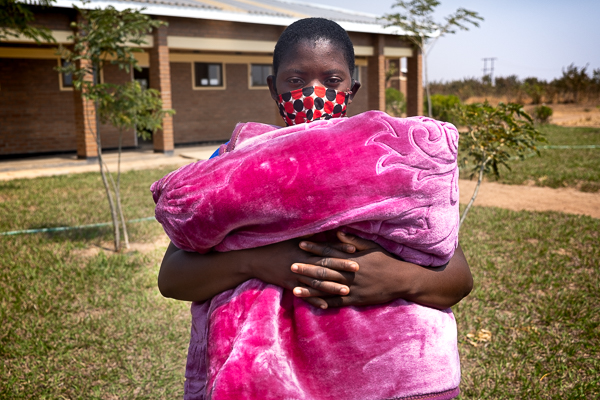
(105, 181)
(118, 193)
(424, 52)
(474, 193)
(111, 204)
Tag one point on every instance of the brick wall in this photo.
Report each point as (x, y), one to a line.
(206, 115)
(54, 19)
(36, 116)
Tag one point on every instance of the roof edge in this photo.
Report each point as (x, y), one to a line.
(219, 15)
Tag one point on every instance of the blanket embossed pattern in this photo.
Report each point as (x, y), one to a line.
(390, 180)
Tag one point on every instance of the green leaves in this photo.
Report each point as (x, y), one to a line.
(109, 35)
(16, 18)
(130, 106)
(416, 20)
(495, 135)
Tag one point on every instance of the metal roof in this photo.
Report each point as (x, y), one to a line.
(269, 12)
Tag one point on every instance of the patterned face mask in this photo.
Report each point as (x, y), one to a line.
(312, 103)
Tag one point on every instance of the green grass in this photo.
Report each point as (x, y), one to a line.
(555, 168)
(70, 200)
(82, 323)
(79, 322)
(537, 290)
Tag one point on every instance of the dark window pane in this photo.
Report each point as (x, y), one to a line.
(259, 73)
(67, 79)
(356, 73)
(208, 74)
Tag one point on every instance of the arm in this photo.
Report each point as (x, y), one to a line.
(198, 277)
(383, 278)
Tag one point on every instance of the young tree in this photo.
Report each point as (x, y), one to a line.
(102, 36)
(416, 20)
(16, 18)
(494, 136)
(574, 80)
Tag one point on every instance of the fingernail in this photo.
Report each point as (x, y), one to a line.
(297, 291)
(324, 306)
(344, 290)
(294, 267)
(303, 244)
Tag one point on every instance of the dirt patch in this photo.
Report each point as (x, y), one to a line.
(161, 241)
(531, 198)
(563, 114)
(573, 115)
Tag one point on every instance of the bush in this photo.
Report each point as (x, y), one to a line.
(442, 107)
(395, 103)
(542, 114)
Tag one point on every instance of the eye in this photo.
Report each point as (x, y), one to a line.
(333, 82)
(295, 81)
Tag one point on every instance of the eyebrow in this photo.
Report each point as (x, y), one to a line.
(299, 71)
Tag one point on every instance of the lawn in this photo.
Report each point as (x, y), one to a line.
(558, 167)
(79, 322)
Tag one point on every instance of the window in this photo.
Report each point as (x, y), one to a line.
(66, 80)
(142, 77)
(208, 75)
(259, 73)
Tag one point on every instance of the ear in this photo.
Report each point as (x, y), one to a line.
(272, 88)
(355, 87)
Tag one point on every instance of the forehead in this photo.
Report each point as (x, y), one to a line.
(318, 53)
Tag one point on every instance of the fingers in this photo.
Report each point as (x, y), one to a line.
(359, 243)
(338, 250)
(338, 301)
(316, 287)
(316, 302)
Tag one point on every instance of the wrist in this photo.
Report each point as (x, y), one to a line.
(407, 283)
(246, 263)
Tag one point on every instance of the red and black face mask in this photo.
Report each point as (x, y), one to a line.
(313, 103)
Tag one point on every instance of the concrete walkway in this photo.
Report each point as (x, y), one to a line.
(130, 159)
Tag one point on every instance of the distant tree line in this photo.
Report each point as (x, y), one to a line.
(576, 85)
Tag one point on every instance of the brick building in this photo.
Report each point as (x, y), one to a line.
(210, 50)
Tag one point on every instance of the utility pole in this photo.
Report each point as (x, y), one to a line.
(491, 70)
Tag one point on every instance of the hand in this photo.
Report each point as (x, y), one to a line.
(381, 277)
(374, 282)
(272, 263)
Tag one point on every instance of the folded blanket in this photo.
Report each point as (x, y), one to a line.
(390, 180)
(386, 179)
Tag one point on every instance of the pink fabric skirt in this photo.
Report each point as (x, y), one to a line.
(259, 341)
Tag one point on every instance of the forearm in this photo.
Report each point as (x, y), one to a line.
(198, 277)
(438, 287)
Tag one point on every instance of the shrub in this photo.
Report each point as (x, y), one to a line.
(395, 103)
(442, 107)
(542, 114)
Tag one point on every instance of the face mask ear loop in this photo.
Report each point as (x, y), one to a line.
(355, 87)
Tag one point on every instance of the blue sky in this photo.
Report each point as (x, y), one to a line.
(528, 37)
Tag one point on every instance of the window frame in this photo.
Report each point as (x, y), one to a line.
(223, 76)
(252, 87)
(61, 82)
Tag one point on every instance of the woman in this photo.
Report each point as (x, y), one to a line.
(349, 271)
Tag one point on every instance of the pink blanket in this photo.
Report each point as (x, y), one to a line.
(386, 179)
(391, 180)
